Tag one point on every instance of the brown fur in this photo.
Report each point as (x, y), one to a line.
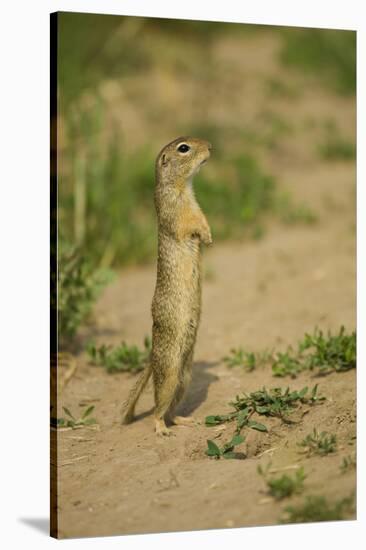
(176, 305)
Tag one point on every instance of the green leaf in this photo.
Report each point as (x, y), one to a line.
(213, 420)
(212, 449)
(68, 412)
(88, 411)
(229, 454)
(242, 418)
(261, 410)
(303, 392)
(257, 426)
(236, 440)
(89, 421)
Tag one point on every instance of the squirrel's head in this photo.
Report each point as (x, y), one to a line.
(181, 159)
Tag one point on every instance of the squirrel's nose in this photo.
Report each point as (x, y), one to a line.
(209, 146)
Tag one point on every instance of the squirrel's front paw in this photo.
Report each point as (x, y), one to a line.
(206, 238)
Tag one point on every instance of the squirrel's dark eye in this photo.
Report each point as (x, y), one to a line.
(184, 148)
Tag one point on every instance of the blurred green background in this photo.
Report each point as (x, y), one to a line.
(129, 85)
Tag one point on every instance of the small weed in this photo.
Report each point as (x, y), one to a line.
(285, 485)
(331, 353)
(286, 363)
(321, 443)
(317, 508)
(121, 358)
(275, 402)
(72, 422)
(325, 354)
(315, 352)
(348, 463)
(337, 148)
(274, 128)
(247, 360)
(258, 232)
(329, 55)
(334, 145)
(277, 88)
(227, 450)
(291, 213)
(79, 284)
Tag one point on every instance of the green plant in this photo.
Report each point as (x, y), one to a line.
(335, 147)
(321, 443)
(329, 353)
(348, 463)
(122, 358)
(279, 88)
(329, 55)
(79, 285)
(240, 358)
(274, 127)
(325, 354)
(83, 37)
(286, 363)
(275, 402)
(118, 221)
(73, 422)
(285, 485)
(247, 360)
(227, 450)
(292, 213)
(317, 508)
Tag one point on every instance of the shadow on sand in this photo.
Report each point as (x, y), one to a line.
(198, 388)
(197, 391)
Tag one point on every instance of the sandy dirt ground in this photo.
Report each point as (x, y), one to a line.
(117, 479)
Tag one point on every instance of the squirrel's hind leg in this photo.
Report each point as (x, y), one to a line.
(187, 376)
(165, 389)
(184, 420)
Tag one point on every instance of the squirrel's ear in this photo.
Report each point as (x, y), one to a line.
(164, 160)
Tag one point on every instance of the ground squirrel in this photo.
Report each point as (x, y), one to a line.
(176, 306)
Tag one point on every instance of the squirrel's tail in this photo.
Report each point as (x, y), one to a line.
(128, 408)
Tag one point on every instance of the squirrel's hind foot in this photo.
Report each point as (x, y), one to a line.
(161, 428)
(184, 420)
